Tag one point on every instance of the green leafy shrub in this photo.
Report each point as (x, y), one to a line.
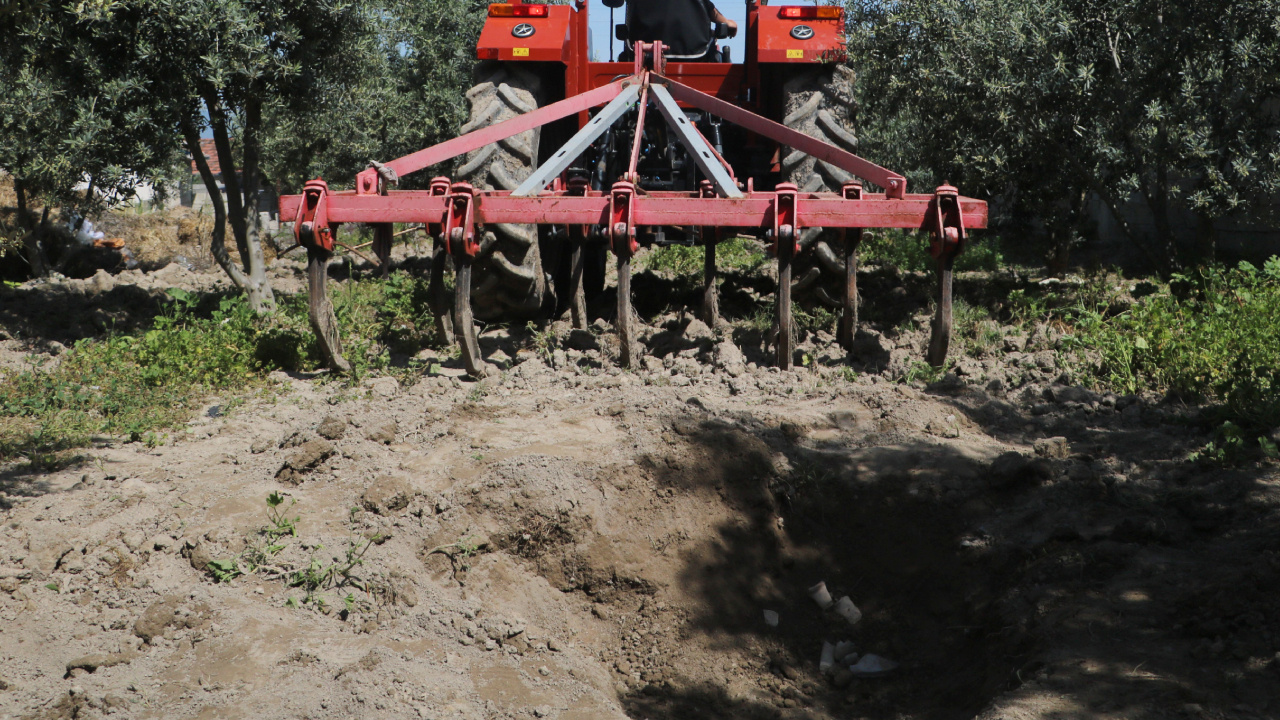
(910, 251)
(1215, 339)
(133, 385)
(740, 253)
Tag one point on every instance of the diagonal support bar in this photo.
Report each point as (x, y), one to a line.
(366, 182)
(578, 144)
(894, 184)
(695, 144)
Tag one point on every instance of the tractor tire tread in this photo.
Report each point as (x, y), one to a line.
(819, 103)
(508, 275)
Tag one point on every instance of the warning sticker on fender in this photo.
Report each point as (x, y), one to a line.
(524, 52)
(795, 54)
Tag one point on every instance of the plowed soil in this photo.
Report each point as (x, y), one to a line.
(567, 540)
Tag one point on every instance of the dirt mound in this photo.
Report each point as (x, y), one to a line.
(568, 540)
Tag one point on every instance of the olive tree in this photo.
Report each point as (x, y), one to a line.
(286, 89)
(65, 119)
(225, 64)
(1047, 103)
(415, 66)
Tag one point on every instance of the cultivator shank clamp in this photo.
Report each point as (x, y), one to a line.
(556, 195)
(622, 231)
(948, 237)
(786, 220)
(460, 222)
(311, 227)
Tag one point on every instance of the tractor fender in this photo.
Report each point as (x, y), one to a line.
(527, 39)
(800, 34)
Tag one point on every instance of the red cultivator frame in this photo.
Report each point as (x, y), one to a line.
(453, 211)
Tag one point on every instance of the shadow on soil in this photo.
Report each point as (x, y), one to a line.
(29, 479)
(1112, 578)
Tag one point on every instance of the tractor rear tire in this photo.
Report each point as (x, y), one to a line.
(510, 283)
(820, 104)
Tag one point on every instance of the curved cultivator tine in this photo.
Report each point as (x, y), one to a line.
(320, 310)
(626, 315)
(459, 233)
(786, 244)
(437, 293)
(948, 242)
(850, 239)
(710, 238)
(940, 340)
(464, 321)
(577, 297)
(313, 230)
(710, 298)
(382, 235)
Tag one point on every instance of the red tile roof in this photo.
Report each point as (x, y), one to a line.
(210, 155)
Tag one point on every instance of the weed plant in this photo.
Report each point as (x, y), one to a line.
(909, 250)
(742, 254)
(138, 385)
(1212, 335)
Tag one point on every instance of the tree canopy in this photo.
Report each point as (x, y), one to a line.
(1043, 104)
(120, 89)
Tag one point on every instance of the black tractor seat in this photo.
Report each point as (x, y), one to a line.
(684, 26)
(713, 54)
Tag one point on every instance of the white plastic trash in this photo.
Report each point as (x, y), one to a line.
(828, 659)
(872, 666)
(771, 618)
(85, 234)
(844, 649)
(821, 595)
(847, 610)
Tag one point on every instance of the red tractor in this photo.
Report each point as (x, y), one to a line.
(683, 151)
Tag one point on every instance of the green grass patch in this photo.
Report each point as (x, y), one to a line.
(899, 248)
(977, 332)
(742, 254)
(138, 385)
(1212, 335)
(907, 250)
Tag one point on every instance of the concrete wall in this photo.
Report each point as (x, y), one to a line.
(1236, 240)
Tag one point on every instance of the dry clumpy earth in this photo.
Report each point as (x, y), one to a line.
(569, 541)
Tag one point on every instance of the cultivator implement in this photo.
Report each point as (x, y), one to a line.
(454, 213)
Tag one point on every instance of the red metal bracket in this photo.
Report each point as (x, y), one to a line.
(459, 220)
(786, 217)
(311, 226)
(948, 223)
(659, 64)
(711, 233)
(622, 232)
(439, 188)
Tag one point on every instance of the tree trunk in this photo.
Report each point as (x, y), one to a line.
(235, 198)
(217, 243)
(1158, 202)
(1115, 207)
(1206, 240)
(257, 263)
(1059, 250)
(254, 267)
(31, 240)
